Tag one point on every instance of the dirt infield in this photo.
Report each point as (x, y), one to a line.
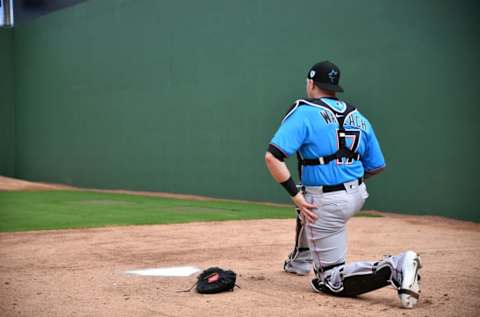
(81, 272)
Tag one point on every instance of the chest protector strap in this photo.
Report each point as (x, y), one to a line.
(343, 151)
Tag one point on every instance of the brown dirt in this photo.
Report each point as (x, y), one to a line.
(12, 184)
(81, 272)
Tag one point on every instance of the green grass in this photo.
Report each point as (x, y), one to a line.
(23, 211)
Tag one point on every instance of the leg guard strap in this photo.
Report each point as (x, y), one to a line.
(409, 292)
(300, 243)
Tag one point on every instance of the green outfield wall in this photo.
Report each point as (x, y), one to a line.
(184, 96)
(7, 110)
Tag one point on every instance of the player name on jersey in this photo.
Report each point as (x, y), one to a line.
(353, 120)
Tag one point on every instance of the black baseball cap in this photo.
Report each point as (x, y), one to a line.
(326, 75)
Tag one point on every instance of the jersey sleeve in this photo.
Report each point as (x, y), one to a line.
(373, 158)
(292, 133)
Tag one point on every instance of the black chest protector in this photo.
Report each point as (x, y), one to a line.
(343, 151)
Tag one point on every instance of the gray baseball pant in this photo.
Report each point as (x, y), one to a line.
(327, 237)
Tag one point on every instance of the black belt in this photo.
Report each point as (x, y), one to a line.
(336, 188)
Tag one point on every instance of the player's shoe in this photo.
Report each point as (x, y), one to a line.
(318, 286)
(301, 265)
(409, 290)
(295, 268)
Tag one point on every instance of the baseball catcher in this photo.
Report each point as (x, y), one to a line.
(337, 150)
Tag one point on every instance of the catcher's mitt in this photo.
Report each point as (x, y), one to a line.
(215, 280)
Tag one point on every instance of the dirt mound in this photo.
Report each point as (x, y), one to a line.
(82, 272)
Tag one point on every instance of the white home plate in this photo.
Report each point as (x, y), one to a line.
(167, 271)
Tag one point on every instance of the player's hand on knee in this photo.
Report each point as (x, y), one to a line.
(306, 209)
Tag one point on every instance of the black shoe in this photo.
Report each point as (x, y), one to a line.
(317, 286)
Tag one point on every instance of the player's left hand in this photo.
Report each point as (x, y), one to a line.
(305, 208)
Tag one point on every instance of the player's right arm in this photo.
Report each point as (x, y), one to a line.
(280, 173)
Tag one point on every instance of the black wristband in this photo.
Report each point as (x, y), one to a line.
(290, 186)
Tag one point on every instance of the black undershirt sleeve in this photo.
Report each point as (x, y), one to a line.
(279, 155)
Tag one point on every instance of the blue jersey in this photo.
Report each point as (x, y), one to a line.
(311, 130)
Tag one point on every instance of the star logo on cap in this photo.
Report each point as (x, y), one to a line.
(312, 73)
(332, 75)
